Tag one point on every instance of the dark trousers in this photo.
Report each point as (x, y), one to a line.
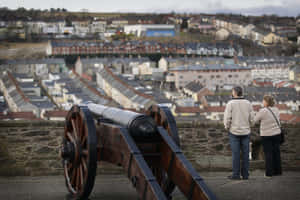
(271, 145)
(238, 144)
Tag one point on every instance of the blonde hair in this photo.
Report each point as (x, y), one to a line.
(269, 100)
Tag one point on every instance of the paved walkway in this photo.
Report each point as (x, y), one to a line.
(116, 187)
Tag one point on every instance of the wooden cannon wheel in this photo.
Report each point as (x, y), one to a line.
(79, 152)
(163, 117)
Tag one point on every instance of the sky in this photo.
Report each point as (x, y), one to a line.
(247, 7)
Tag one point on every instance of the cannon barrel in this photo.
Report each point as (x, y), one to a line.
(138, 124)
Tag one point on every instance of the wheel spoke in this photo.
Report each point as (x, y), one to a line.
(84, 166)
(83, 139)
(78, 126)
(81, 177)
(74, 129)
(71, 138)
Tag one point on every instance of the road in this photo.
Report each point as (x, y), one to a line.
(116, 187)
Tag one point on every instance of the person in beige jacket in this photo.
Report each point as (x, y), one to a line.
(270, 135)
(238, 117)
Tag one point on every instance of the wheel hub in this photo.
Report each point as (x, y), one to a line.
(68, 151)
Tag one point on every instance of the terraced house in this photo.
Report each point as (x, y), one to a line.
(38, 67)
(120, 91)
(22, 94)
(211, 76)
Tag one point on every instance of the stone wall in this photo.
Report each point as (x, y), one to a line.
(32, 148)
(206, 145)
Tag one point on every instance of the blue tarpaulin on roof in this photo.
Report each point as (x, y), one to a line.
(160, 33)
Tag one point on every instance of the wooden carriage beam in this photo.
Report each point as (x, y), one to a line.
(115, 145)
(180, 170)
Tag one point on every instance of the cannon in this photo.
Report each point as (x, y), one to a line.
(146, 145)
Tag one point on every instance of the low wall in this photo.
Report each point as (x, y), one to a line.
(206, 145)
(32, 148)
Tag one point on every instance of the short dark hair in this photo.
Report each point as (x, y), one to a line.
(238, 90)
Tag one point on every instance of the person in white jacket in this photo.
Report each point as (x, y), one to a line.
(238, 118)
(269, 120)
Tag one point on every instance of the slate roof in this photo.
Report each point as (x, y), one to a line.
(262, 31)
(82, 90)
(209, 67)
(28, 85)
(270, 90)
(126, 87)
(22, 99)
(113, 44)
(35, 61)
(194, 86)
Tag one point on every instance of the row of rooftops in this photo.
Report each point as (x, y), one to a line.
(255, 94)
(86, 61)
(192, 45)
(273, 90)
(268, 58)
(20, 97)
(76, 87)
(209, 67)
(221, 60)
(123, 86)
(41, 102)
(249, 60)
(34, 61)
(139, 86)
(252, 98)
(88, 92)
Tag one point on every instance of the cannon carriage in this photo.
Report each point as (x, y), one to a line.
(146, 145)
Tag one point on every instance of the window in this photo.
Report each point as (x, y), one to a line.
(181, 77)
(236, 76)
(212, 76)
(218, 76)
(200, 77)
(229, 76)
